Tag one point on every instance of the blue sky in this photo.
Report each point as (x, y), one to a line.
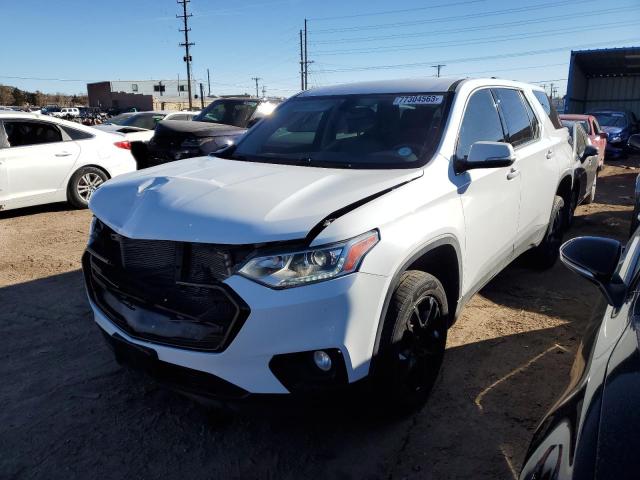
(47, 41)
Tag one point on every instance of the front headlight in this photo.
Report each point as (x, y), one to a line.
(292, 269)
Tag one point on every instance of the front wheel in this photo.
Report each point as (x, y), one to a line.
(82, 185)
(545, 255)
(413, 341)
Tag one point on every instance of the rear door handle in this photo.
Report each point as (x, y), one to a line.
(549, 153)
(513, 173)
(63, 154)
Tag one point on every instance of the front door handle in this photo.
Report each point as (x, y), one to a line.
(549, 153)
(513, 173)
(63, 154)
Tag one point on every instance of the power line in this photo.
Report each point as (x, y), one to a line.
(406, 10)
(501, 25)
(470, 41)
(473, 59)
(453, 17)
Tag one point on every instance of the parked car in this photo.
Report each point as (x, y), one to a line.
(585, 176)
(45, 160)
(592, 430)
(596, 135)
(619, 125)
(634, 144)
(139, 126)
(67, 113)
(333, 246)
(220, 124)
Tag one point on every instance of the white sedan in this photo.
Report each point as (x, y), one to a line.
(45, 160)
(139, 126)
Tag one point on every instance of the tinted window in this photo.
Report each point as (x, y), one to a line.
(365, 131)
(229, 112)
(480, 123)
(76, 134)
(31, 133)
(548, 108)
(515, 115)
(533, 120)
(143, 120)
(614, 119)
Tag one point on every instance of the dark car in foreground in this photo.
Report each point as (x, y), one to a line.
(619, 126)
(593, 430)
(220, 124)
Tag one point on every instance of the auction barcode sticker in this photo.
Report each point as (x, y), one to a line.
(418, 100)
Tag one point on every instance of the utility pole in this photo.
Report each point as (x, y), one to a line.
(264, 91)
(306, 60)
(551, 88)
(301, 63)
(438, 67)
(186, 45)
(256, 79)
(201, 96)
(208, 83)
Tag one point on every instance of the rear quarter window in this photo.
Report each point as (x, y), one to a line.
(548, 107)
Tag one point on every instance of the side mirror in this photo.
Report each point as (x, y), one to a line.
(634, 141)
(486, 155)
(603, 135)
(589, 151)
(596, 259)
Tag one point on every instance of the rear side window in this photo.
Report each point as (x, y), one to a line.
(21, 134)
(533, 120)
(480, 123)
(515, 116)
(548, 108)
(75, 134)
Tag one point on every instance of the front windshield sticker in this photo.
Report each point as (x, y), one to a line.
(418, 100)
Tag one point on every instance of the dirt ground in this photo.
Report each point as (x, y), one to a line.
(67, 410)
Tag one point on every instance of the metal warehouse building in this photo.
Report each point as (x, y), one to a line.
(607, 78)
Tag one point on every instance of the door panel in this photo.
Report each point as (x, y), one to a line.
(490, 196)
(35, 172)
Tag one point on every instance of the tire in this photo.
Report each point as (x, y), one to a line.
(592, 194)
(82, 185)
(544, 256)
(411, 347)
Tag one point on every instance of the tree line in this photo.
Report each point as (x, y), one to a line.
(13, 96)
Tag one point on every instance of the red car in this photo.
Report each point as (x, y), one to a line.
(597, 136)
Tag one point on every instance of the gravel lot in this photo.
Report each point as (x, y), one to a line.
(67, 410)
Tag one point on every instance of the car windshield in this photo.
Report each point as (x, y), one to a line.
(118, 119)
(611, 119)
(143, 120)
(230, 112)
(351, 131)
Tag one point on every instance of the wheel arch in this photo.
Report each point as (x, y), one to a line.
(565, 188)
(93, 165)
(441, 257)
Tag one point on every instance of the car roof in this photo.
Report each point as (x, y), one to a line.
(415, 85)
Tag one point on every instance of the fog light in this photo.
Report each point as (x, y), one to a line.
(322, 360)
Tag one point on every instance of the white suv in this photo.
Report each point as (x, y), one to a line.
(335, 244)
(68, 113)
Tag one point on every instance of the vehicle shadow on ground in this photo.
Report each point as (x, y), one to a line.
(69, 411)
(47, 208)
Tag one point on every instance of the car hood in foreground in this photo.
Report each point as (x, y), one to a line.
(213, 200)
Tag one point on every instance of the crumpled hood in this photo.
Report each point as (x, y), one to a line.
(612, 130)
(197, 129)
(213, 200)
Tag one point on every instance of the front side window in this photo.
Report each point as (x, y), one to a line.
(21, 134)
(229, 112)
(515, 115)
(349, 131)
(480, 123)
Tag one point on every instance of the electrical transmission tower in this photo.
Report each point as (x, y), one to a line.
(438, 68)
(187, 57)
(256, 80)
